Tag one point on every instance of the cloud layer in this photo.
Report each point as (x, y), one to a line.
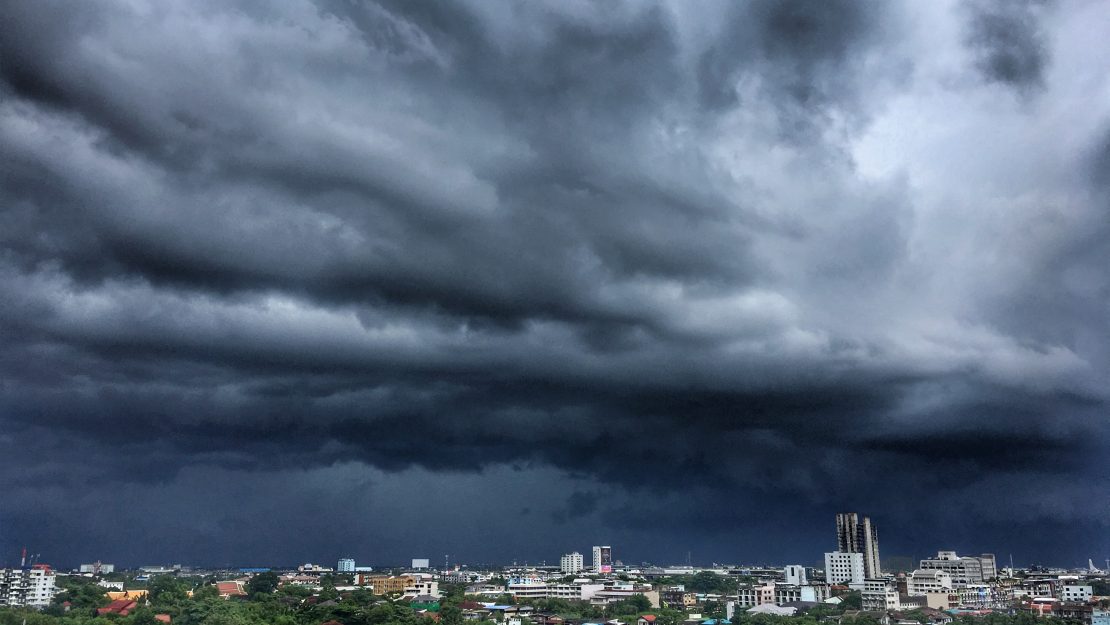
(742, 264)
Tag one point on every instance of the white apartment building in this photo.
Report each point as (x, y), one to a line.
(619, 592)
(841, 567)
(97, 568)
(1075, 593)
(346, 565)
(523, 588)
(924, 581)
(779, 593)
(878, 594)
(795, 575)
(422, 587)
(571, 563)
(32, 587)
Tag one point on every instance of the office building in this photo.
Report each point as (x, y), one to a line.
(855, 535)
(571, 563)
(97, 568)
(603, 559)
(346, 565)
(841, 568)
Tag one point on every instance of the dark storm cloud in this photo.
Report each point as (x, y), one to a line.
(1008, 42)
(578, 256)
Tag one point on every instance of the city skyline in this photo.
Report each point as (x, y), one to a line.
(504, 280)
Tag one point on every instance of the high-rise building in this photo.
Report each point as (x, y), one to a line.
(571, 563)
(603, 559)
(856, 536)
(346, 565)
(841, 567)
(33, 587)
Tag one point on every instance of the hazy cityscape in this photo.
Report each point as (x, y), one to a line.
(588, 588)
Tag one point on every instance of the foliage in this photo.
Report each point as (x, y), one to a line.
(851, 600)
(82, 593)
(262, 584)
(295, 605)
(166, 591)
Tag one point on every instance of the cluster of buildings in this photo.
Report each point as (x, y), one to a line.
(940, 586)
(601, 564)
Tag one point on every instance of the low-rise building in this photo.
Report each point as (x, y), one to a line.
(422, 587)
(678, 597)
(385, 584)
(1080, 612)
(878, 594)
(1075, 593)
(615, 593)
(963, 569)
(924, 581)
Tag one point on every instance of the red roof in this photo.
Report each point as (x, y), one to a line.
(649, 618)
(229, 588)
(121, 607)
(165, 618)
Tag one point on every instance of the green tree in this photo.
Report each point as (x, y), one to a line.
(144, 616)
(851, 600)
(167, 591)
(328, 591)
(450, 615)
(263, 584)
(82, 593)
(710, 582)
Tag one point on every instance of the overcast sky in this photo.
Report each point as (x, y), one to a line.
(286, 282)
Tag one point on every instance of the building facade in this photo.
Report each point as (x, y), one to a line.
(1075, 593)
(842, 567)
(386, 584)
(964, 570)
(346, 565)
(571, 563)
(33, 587)
(795, 575)
(603, 559)
(878, 594)
(925, 581)
(856, 535)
